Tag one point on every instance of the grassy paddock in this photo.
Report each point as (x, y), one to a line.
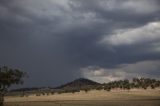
(90, 103)
(92, 98)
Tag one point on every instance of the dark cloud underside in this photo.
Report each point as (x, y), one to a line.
(57, 40)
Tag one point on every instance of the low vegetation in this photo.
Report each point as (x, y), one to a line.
(87, 85)
(135, 83)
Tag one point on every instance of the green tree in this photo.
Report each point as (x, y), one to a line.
(9, 77)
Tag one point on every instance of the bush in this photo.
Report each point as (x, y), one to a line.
(38, 94)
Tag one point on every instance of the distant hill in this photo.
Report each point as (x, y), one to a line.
(78, 83)
(86, 85)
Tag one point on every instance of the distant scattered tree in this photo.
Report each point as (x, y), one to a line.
(144, 83)
(86, 90)
(135, 83)
(152, 86)
(9, 77)
(99, 87)
(38, 94)
(52, 92)
(107, 88)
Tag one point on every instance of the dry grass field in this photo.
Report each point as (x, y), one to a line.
(93, 98)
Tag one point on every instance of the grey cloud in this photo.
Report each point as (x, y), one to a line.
(100, 74)
(148, 33)
(129, 11)
(53, 39)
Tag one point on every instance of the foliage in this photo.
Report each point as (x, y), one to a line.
(9, 77)
(135, 83)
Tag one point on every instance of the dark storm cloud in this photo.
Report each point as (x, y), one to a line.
(124, 11)
(53, 40)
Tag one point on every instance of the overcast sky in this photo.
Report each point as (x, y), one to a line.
(56, 41)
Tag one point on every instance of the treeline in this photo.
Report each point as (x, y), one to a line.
(77, 86)
(135, 83)
(139, 83)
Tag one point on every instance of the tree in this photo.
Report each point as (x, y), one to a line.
(9, 77)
